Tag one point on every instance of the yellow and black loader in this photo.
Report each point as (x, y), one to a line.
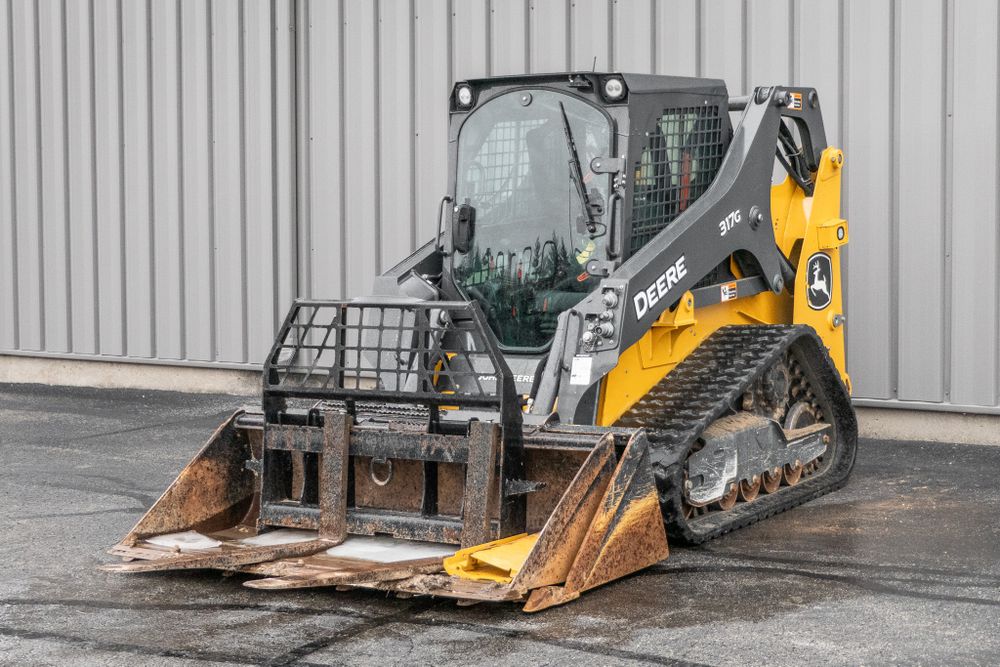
(623, 331)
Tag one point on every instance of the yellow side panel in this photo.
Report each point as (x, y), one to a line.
(824, 234)
(803, 226)
(788, 214)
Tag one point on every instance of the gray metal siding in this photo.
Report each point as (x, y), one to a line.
(147, 181)
(173, 172)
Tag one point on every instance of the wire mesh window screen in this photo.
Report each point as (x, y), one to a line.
(384, 352)
(683, 154)
(502, 161)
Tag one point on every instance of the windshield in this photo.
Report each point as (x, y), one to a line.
(532, 236)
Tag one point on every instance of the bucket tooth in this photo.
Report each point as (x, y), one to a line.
(625, 535)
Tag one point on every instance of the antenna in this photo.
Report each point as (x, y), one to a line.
(593, 68)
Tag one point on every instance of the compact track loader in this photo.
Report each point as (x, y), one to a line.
(622, 331)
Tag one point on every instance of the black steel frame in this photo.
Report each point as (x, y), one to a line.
(364, 356)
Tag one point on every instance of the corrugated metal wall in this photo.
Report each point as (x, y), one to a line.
(147, 201)
(174, 171)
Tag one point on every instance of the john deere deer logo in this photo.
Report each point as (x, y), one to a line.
(819, 279)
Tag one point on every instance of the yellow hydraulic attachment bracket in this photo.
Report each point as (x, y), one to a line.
(607, 525)
(818, 282)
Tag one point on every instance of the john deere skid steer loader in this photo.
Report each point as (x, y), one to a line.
(622, 331)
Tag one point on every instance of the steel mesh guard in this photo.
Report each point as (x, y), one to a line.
(683, 154)
(503, 161)
(430, 353)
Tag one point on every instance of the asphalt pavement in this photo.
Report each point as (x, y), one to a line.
(902, 566)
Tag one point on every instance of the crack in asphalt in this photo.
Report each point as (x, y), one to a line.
(207, 421)
(807, 562)
(146, 499)
(858, 582)
(59, 515)
(294, 655)
(368, 622)
(196, 421)
(133, 649)
(571, 644)
(187, 606)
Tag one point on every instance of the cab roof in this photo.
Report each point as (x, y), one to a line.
(637, 84)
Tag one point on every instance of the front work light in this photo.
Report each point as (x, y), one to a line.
(464, 96)
(614, 89)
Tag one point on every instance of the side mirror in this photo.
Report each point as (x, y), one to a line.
(463, 224)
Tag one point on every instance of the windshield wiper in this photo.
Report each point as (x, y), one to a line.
(592, 209)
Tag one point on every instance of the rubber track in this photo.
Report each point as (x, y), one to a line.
(705, 386)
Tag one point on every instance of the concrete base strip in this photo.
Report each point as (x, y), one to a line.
(922, 425)
(127, 375)
(895, 423)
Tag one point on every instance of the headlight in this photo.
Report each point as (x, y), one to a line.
(614, 89)
(464, 96)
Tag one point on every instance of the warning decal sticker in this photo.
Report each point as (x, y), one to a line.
(580, 371)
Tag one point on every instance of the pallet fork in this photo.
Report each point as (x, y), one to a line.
(276, 492)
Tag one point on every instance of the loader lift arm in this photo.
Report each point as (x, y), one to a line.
(679, 256)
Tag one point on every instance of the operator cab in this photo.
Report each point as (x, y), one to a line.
(558, 178)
